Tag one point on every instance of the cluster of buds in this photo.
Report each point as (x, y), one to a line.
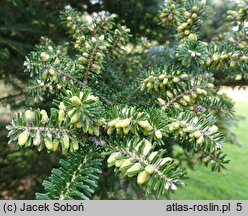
(239, 39)
(130, 165)
(191, 130)
(47, 65)
(191, 18)
(124, 126)
(157, 83)
(178, 100)
(168, 15)
(118, 41)
(92, 55)
(75, 22)
(37, 131)
(223, 59)
(74, 110)
(79, 43)
(81, 28)
(134, 123)
(238, 16)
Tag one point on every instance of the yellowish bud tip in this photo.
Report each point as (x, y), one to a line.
(126, 162)
(142, 177)
(23, 138)
(44, 56)
(112, 157)
(150, 169)
(29, 116)
(144, 124)
(48, 144)
(197, 134)
(44, 116)
(75, 118)
(213, 129)
(158, 134)
(75, 101)
(66, 142)
(61, 115)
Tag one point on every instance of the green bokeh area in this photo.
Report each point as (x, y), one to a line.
(231, 183)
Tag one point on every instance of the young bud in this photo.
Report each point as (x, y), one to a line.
(194, 15)
(195, 9)
(37, 139)
(161, 77)
(101, 38)
(118, 163)
(186, 14)
(82, 59)
(189, 21)
(29, 116)
(69, 18)
(62, 106)
(200, 140)
(75, 101)
(51, 72)
(55, 144)
(135, 168)
(142, 177)
(197, 134)
(78, 124)
(192, 37)
(92, 97)
(44, 116)
(61, 115)
(169, 94)
(184, 25)
(127, 30)
(112, 123)
(186, 32)
(150, 169)
(23, 138)
(112, 157)
(215, 57)
(175, 80)
(93, 39)
(126, 130)
(203, 2)
(87, 45)
(161, 101)
(199, 91)
(44, 56)
(75, 145)
(213, 129)
(110, 130)
(148, 129)
(125, 122)
(187, 98)
(210, 85)
(165, 81)
(75, 118)
(158, 134)
(144, 124)
(48, 144)
(126, 163)
(66, 142)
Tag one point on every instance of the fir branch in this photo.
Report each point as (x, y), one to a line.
(77, 177)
